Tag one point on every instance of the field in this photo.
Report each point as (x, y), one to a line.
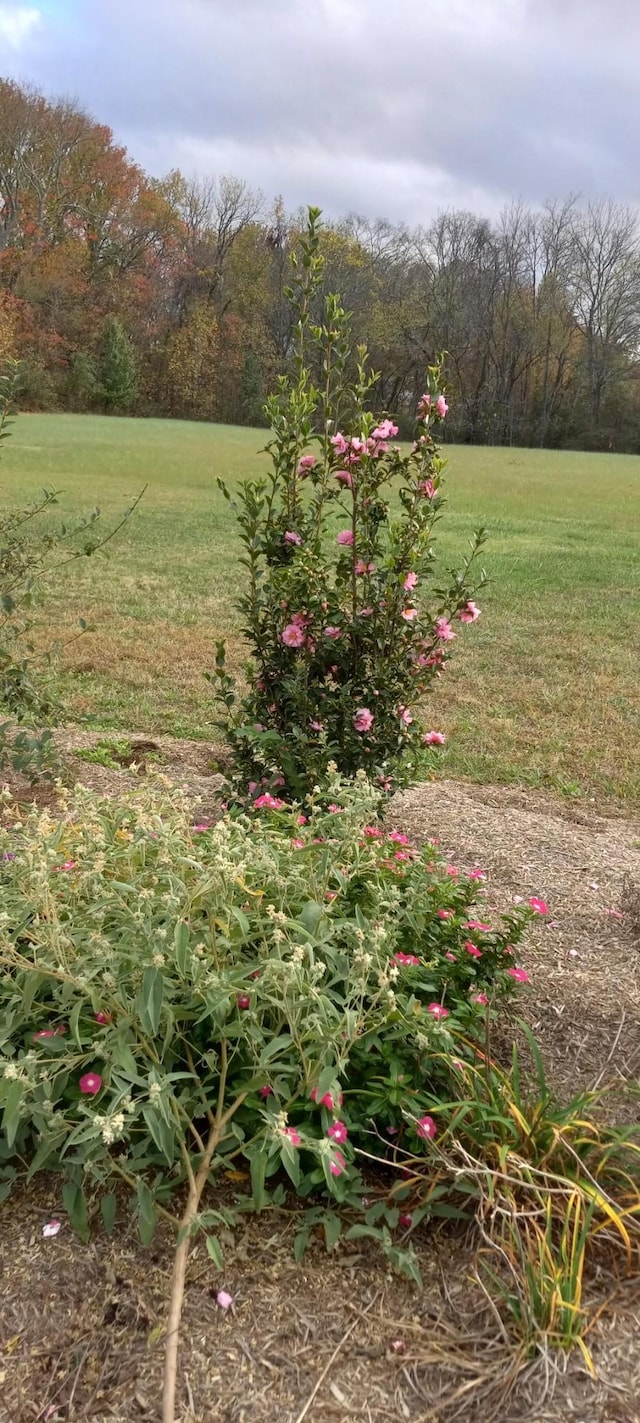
(544, 690)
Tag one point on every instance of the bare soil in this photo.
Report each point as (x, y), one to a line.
(340, 1337)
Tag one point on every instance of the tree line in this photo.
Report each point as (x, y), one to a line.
(123, 292)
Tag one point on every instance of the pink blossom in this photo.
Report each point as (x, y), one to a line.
(406, 959)
(330, 893)
(539, 906)
(445, 913)
(293, 635)
(398, 838)
(292, 538)
(406, 1221)
(224, 1300)
(452, 870)
(520, 975)
(470, 612)
(345, 537)
(297, 844)
(345, 477)
(46, 1033)
(269, 802)
(473, 949)
(338, 1164)
(476, 874)
(426, 1128)
(362, 567)
(424, 404)
(410, 582)
(373, 833)
(333, 632)
(302, 820)
(450, 957)
(437, 1010)
(441, 406)
(292, 1135)
(266, 1091)
(243, 1000)
(104, 1017)
(398, 1346)
(477, 924)
(363, 719)
(51, 1228)
(614, 913)
(339, 443)
(385, 430)
(90, 1083)
(335, 809)
(427, 488)
(409, 614)
(444, 630)
(206, 824)
(405, 716)
(326, 1101)
(366, 612)
(480, 998)
(305, 465)
(434, 738)
(338, 1132)
(68, 865)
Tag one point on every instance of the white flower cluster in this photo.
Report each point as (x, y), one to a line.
(111, 1127)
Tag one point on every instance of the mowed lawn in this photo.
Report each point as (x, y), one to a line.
(544, 690)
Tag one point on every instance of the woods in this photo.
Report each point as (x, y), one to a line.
(121, 292)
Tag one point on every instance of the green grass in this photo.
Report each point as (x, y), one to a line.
(544, 690)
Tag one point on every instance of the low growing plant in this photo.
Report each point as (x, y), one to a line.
(339, 552)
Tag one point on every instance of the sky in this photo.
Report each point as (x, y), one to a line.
(388, 108)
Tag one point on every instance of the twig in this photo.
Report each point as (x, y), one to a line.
(614, 1045)
(305, 1409)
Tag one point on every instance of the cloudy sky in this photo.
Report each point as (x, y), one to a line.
(390, 108)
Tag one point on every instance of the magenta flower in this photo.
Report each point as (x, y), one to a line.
(104, 1017)
(473, 949)
(46, 1033)
(384, 431)
(405, 716)
(398, 837)
(305, 465)
(293, 635)
(326, 1101)
(338, 1132)
(406, 958)
(266, 1090)
(90, 1083)
(373, 833)
(445, 913)
(338, 1164)
(345, 537)
(243, 1000)
(339, 443)
(297, 844)
(363, 719)
(444, 630)
(427, 488)
(480, 998)
(450, 957)
(476, 874)
(426, 1128)
(453, 871)
(477, 924)
(315, 726)
(410, 582)
(470, 613)
(406, 1221)
(292, 1135)
(68, 865)
(292, 538)
(345, 477)
(539, 906)
(269, 802)
(434, 738)
(302, 820)
(437, 1010)
(333, 632)
(409, 614)
(441, 406)
(520, 975)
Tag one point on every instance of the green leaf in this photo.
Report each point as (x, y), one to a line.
(149, 1000)
(160, 1131)
(301, 1243)
(289, 1159)
(275, 1046)
(146, 1212)
(181, 946)
(12, 1104)
(76, 1207)
(311, 915)
(214, 1249)
(332, 1229)
(259, 1160)
(108, 1206)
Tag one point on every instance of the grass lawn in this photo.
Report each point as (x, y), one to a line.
(545, 689)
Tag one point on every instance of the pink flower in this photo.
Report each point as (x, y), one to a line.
(427, 488)
(424, 404)
(405, 716)
(333, 632)
(426, 1128)
(410, 582)
(338, 1132)
(406, 1221)
(292, 1135)
(292, 538)
(297, 844)
(366, 612)
(453, 871)
(305, 465)
(441, 406)
(224, 1300)
(470, 613)
(269, 802)
(330, 893)
(345, 477)
(473, 949)
(444, 630)
(434, 738)
(51, 1228)
(406, 958)
(409, 614)
(476, 874)
(363, 719)
(339, 443)
(539, 906)
(445, 913)
(480, 998)
(384, 431)
(520, 975)
(450, 957)
(614, 913)
(398, 838)
(437, 1010)
(243, 1000)
(302, 820)
(68, 865)
(373, 833)
(266, 1091)
(293, 635)
(345, 537)
(398, 1346)
(338, 1164)
(104, 1017)
(477, 924)
(326, 1101)
(362, 567)
(90, 1083)
(46, 1033)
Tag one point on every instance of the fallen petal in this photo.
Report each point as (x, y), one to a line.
(51, 1228)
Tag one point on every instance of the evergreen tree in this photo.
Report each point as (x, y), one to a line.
(119, 367)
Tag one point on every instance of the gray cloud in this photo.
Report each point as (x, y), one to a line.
(394, 107)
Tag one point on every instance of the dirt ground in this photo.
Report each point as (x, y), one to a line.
(341, 1337)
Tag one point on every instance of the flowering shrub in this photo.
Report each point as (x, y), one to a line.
(339, 551)
(297, 990)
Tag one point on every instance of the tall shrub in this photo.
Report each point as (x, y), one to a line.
(119, 367)
(338, 547)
